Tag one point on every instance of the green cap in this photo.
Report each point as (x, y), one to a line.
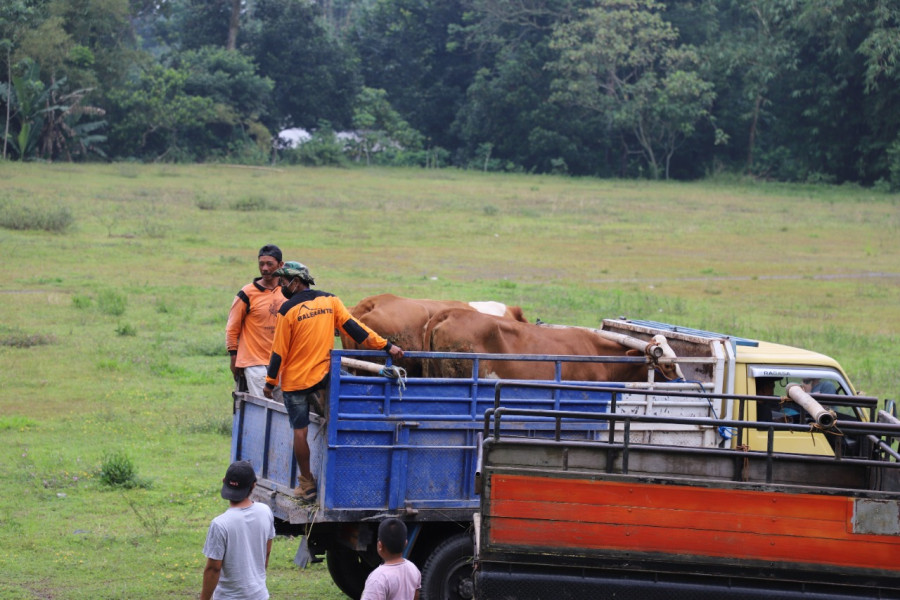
(292, 269)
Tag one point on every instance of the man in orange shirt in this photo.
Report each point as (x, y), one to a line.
(251, 323)
(301, 352)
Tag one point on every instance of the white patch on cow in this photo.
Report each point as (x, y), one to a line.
(498, 309)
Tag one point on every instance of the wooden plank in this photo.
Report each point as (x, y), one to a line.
(577, 514)
(592, 492)
(685, 541)
(714, 519)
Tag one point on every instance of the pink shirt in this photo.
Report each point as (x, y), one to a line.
(393, 582)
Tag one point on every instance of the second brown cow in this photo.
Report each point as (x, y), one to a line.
(454, 330)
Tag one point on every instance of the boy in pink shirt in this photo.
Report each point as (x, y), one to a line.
(397, 578)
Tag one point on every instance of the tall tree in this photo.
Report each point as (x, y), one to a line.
(406, 48)
(316, 78)
(153, 117)
(506, 108)
(620, 60)
(234, 24)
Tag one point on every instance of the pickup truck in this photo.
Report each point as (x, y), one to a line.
(408, 447)
(625, 519)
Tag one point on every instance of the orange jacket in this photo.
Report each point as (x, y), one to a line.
(304, 338)
(251, 324)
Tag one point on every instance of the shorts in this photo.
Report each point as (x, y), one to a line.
(297, 405)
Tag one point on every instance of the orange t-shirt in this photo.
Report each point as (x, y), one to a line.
(251, 324)
(304, 338)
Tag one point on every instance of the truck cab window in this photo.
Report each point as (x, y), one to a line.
(826, 385)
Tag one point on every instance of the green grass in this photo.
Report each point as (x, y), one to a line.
(112, 337)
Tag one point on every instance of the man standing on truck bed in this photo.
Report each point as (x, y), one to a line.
(301, 351)
(251, 323)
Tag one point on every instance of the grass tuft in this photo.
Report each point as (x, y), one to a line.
(250, 204)
(82, 302)
(215, 425)
(112, 303)
(36, 217)
(26, 340)
(16, 422)
(204, 202)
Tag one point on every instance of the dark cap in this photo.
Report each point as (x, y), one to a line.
(270, 250)
(239, 478)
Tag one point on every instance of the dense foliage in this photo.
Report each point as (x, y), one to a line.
(800, 90)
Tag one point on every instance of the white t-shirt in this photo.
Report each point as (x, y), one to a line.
(238, 537)
(393, 582)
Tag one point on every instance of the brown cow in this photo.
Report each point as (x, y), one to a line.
(454, 330)
(402, 321)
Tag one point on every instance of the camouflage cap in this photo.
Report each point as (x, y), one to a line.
(292, 269)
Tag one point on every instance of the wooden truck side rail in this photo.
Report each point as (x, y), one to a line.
(615, 518)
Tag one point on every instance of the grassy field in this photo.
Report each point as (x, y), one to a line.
(116, 281)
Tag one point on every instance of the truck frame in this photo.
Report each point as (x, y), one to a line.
(626, 519)
(387, 446)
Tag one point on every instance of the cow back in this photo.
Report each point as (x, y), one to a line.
(455, 330)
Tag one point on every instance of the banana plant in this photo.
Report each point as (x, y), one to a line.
(49, 120)
(31, 101)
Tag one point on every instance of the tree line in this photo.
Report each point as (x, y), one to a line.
(794, 90)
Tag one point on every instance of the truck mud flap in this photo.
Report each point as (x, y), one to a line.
(531, 582)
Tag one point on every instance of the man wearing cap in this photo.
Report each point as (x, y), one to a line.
(251, 323)
(301, 351)
(238, 541)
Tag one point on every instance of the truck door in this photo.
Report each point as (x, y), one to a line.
(772, 382)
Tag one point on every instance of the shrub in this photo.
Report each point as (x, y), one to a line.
(126, 330)
(324, 149)
(117, 470)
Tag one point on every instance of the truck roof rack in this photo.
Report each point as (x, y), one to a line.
(736, 340)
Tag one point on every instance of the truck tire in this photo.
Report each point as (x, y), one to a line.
(347, 570)
(448, 572)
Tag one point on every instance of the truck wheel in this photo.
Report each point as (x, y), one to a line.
(447, 574)
(347, 570)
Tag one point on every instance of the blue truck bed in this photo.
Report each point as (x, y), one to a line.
(383, 448)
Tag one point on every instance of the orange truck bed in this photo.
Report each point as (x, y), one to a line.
(561, 520)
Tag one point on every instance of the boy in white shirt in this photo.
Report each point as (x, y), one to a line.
(238, 542)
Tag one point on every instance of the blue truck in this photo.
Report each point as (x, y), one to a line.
(408, 447)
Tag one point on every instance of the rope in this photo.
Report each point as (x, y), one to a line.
(815, 427)
(398, 373)
(745, 469)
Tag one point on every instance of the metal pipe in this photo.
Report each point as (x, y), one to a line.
(823, 417)
(362, 365)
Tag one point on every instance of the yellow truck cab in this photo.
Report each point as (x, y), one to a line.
(767, 369)
(736, 369)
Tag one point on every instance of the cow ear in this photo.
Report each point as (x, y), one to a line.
(633, 352)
